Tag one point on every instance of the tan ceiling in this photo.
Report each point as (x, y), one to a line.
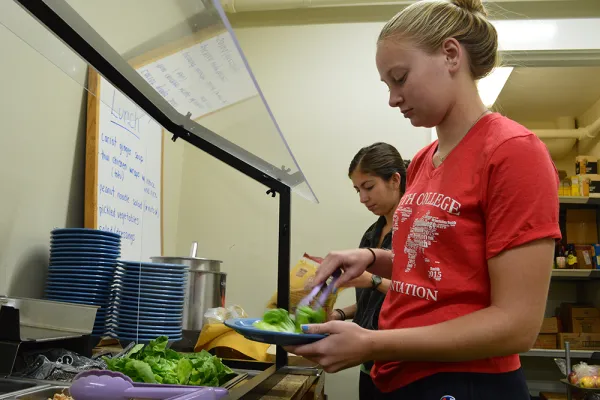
(380, 11)
(545, 93)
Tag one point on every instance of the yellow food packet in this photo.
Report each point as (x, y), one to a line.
(300, 277)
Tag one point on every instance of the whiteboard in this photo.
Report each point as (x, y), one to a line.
(129, 174)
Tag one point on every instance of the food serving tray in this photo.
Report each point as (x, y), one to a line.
(575, 387)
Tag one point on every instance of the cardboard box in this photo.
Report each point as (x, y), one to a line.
(578, 318)
(581, 227)
(580, 341)
(550, 325)
(585, 256)
(545, 341)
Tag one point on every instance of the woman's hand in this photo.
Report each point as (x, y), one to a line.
(352, 262)
(346, 346)
(364, 281)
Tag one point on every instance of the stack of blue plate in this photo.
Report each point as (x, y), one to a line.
(82, 268)
(149, 301)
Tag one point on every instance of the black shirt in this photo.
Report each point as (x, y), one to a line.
(369, 301)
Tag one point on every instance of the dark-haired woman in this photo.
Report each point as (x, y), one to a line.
(378, 174)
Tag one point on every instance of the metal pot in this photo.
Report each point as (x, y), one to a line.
(205, 289)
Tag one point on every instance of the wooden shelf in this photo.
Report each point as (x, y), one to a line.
(558, 353)
(575, 274)
(579, 200)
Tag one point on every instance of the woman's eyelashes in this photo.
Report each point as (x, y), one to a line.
(400, 80)
(368, 189)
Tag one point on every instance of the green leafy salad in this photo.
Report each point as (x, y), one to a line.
(155, 363)
(279, 320)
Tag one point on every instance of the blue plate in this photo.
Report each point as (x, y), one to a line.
(69, 284)
(156, 278)
(83, 272)
(149, 280)
(150, 315)
(77, 301)
(58, 290)
(169, 291)
(78, 296)
(79, 241)
(132, 307)
(145, 338)
(54, 277)
(144, 325)
(111, 263)
(85, 231)
(126, 318)
(79, 257)
(175, 296)
(160, 266)
(151, 331)
(84, 252)
(84, 246)
(153, 274)
(79, 279)
(86, 268)
(147, 287)
(133, 301)
(244, 327)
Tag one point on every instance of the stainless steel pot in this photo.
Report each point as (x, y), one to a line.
(206, 288)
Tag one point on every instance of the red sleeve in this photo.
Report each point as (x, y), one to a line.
(520, 198)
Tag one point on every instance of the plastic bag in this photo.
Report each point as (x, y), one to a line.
(583, 369)
(582, 374)
(562, 365)
(56, 365)
(220, 314)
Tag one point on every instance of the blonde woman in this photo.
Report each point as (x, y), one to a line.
(474, 233)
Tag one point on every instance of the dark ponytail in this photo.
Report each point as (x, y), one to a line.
(382, 160)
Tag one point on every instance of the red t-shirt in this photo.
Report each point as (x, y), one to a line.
(496, 190)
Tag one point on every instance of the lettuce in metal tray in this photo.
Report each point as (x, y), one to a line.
(155, 363)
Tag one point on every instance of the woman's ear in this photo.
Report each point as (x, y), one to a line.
(396, 179)
(453, 54)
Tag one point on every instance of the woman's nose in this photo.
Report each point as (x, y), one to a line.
(364, 198)
(395, 99)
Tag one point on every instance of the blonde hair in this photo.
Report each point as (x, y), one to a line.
(429, 22)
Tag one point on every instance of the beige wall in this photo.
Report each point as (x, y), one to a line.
(42, 143)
